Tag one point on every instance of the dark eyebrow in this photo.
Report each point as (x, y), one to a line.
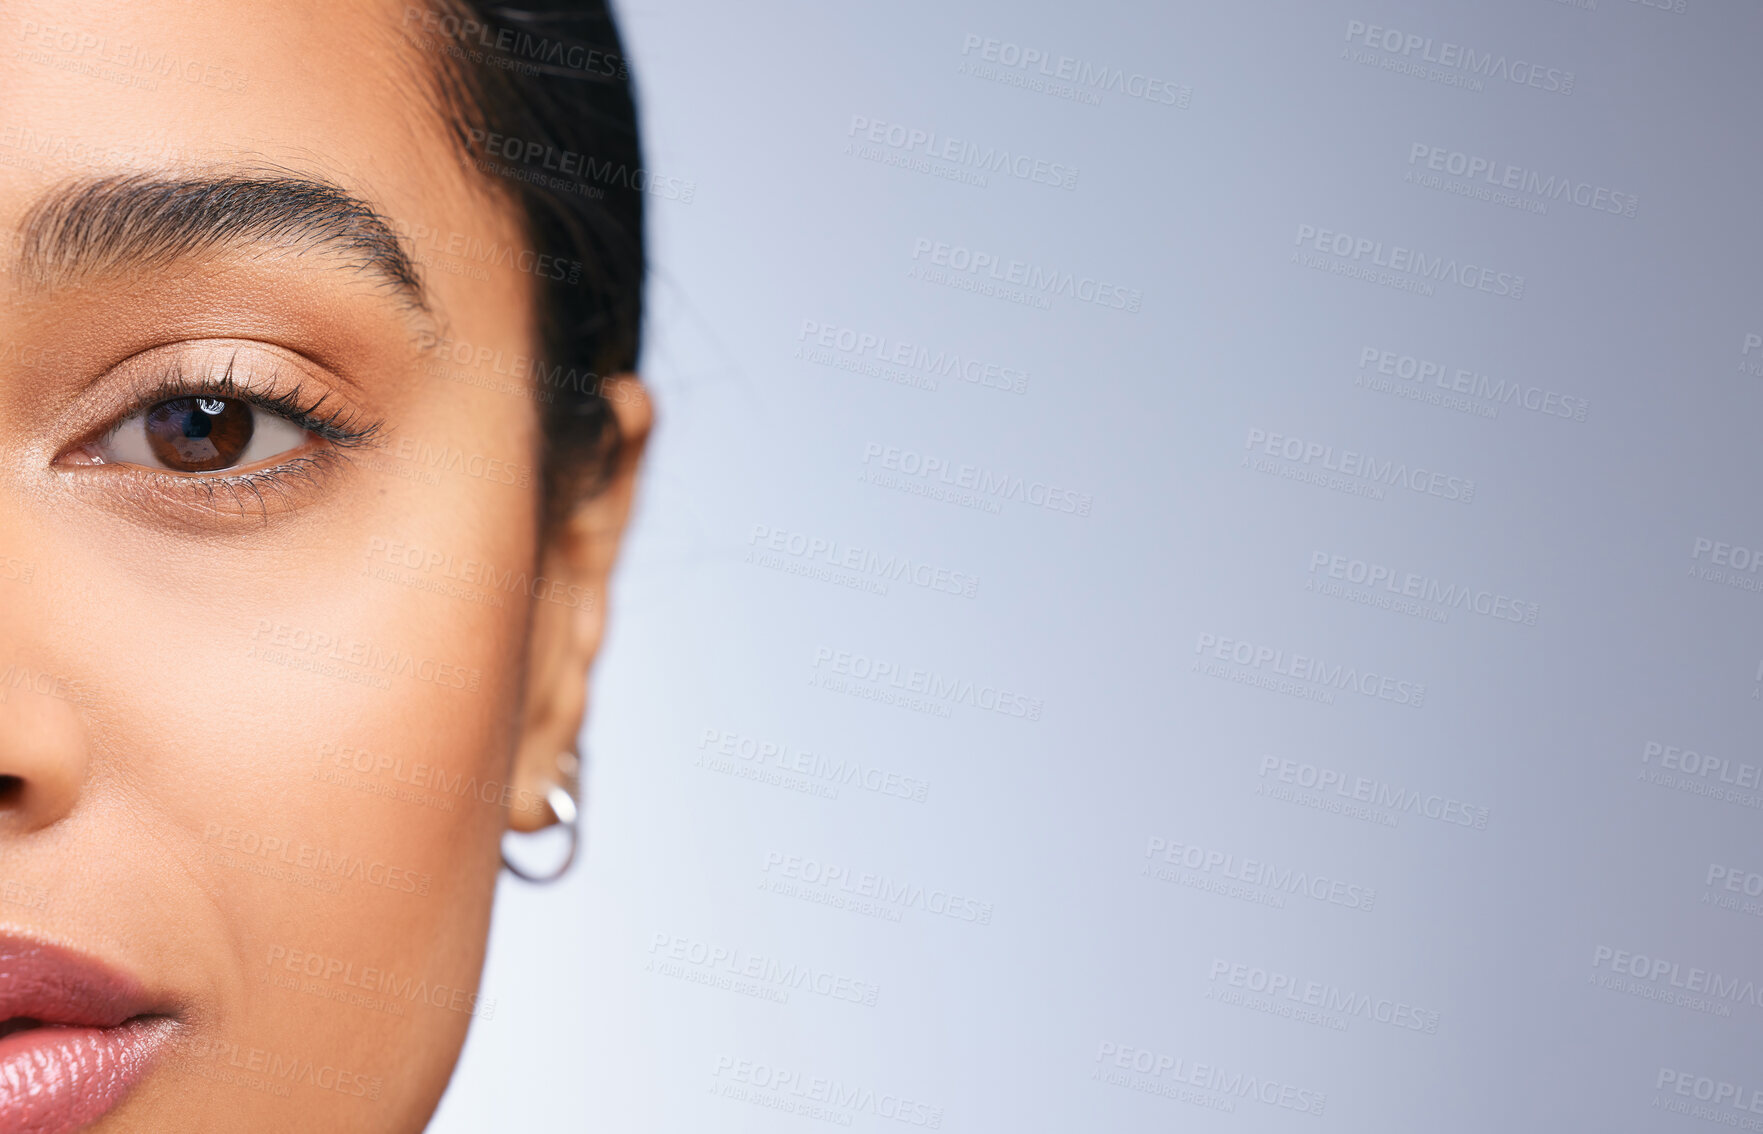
(148, 221)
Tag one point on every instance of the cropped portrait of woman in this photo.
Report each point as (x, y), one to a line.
(320, 430)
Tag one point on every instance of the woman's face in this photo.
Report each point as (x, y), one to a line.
(281, 655)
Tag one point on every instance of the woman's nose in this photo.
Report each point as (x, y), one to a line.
(42, 754)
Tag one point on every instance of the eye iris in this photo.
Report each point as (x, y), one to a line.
(200, 434)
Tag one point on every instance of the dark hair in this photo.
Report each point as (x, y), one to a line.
(551, 78)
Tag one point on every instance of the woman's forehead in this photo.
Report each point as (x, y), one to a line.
(135, 129)
(337, 93)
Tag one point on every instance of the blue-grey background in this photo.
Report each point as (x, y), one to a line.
(1567, 966)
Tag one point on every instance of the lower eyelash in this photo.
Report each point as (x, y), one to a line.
(277, 479)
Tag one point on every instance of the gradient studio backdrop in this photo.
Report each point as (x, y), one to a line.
(1323, 694)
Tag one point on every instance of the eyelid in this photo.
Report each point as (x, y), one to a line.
(273, 379)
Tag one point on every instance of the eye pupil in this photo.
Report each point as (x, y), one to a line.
(200, 434)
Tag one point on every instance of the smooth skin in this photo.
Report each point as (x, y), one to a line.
(195, 679)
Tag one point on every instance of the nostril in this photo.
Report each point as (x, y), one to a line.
(11, 787)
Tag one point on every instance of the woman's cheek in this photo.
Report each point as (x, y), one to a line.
(325, 759)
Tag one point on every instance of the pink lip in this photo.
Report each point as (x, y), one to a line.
(96, 1034)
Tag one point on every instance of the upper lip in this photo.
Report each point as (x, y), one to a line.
(57, 986)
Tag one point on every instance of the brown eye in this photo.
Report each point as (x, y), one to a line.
(200, 434)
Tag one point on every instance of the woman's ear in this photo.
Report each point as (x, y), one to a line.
(569, 615)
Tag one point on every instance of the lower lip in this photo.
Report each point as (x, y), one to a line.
(57, 1079)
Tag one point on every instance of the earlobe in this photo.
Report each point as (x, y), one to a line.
(568, 620)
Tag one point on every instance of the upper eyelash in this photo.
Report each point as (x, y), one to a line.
(339, 425)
